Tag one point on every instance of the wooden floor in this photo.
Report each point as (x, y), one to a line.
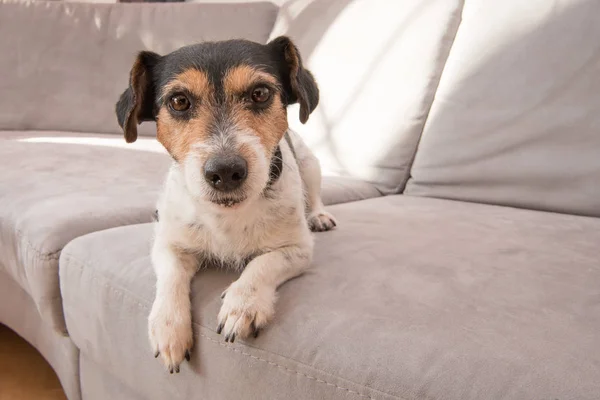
(24, 374)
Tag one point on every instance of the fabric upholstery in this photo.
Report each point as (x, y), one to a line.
(50, 193)
(97, 383)
(515, 120)
(66, 64)
(19, 312)
(410, 298)
(337, 190)
(57, 186)
(377, 64)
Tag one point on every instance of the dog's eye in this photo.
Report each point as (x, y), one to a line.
(179, 103)
(261, 94)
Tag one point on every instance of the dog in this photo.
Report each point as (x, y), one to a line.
(243, 191)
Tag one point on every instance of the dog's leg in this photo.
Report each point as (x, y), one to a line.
(249, 302)
(310, 171)
(170, 321)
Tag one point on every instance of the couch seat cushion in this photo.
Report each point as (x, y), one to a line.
(56, 186)
(410, 298)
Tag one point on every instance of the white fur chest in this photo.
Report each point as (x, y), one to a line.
(233, 235)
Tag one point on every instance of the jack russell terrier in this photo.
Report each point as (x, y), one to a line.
(243, 191)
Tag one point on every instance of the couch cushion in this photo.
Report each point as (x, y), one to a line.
(377, 64)
(515, 120)
(55, 187)
(337, 190)
(68, 62)
(409, 299)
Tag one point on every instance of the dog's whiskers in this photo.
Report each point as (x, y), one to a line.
(282, 162)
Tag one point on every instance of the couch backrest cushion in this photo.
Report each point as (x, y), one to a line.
(63, 65)
(516, 119)
(377, 63)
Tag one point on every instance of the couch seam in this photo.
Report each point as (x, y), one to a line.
(146, 307)
(286, 368)
(53, 255)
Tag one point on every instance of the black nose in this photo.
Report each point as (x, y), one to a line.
(226, 173)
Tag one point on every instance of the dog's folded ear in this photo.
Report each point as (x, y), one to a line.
(136, 104)
(299, 83)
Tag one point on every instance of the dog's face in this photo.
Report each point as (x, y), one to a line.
(220, 110)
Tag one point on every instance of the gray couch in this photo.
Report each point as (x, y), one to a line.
(461, 140)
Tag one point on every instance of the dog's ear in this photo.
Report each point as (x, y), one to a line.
(136, 104)
(299, 83)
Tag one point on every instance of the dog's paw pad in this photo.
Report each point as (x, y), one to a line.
(245, 311)
(320, 221)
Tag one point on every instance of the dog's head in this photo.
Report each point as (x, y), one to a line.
(220, 110)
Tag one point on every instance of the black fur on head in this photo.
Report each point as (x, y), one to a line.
(150, 72)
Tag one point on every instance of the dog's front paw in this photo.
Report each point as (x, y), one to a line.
(245, 310)
(320, 221)
(171, 335)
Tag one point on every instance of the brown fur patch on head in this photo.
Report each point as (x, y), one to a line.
(239, 79)
(178, 135)
(271, 123)
(138, 83)
(269, 126)
(192, 80)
